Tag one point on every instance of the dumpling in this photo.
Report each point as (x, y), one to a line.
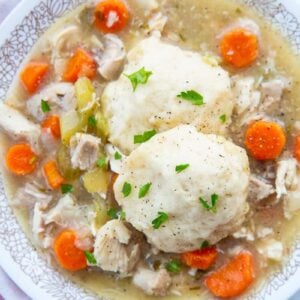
(155, 105)
(216, 169)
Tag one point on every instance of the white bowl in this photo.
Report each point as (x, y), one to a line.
(18, 33)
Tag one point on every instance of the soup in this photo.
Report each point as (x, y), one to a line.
(151, 148)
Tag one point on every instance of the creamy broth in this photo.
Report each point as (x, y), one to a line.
(192, 24)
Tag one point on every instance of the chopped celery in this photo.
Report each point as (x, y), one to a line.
(84, 91)
(101, 216)
(102, 129)
(65, 166)
(96, 181)
(70, 124)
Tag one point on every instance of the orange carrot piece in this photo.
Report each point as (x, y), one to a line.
(53, 124)
(265, 140)
(239, 47)
(68, 255)
(297, 148)
(53, 175)
(33, 75)
(233, 278)
(200, 259)
(111, 16)
(20, 159)
(81, 64)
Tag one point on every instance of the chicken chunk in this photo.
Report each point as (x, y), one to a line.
(18, 127)
(84, 151)
(259, 189)
(286, 176)
(224, 171)
(31, 194)
(154, 283)
(66, 214)
(114, 250)
(157, 22)
(157, 106)
(60, 97)
(111, 60)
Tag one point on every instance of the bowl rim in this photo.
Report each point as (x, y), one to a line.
(12, 268)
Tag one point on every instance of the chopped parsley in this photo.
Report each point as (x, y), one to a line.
(223, 118)
(212, 207)
(114, 214)
(204, 244)
(118, 155)
(139, 77)
(144, 190)
(173, 266)
(102, 162)
(181, 168)
(45, 106)
(146, 136)
(162, 218)
(92, 121)
(90, 258)
(194, 97)
(126, 189)
(67, 188)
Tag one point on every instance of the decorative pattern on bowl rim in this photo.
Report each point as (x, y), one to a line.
(12, 53)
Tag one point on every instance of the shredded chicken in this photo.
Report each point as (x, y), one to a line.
(114, 250)
(259, 189)
(18, 127)
(60, 97)
(272, 92)
(154, 283)
(286, 177)
(271, 249)
(157, 22)
(65, 215)
(31, 194)
(84, 151)
(112, 59)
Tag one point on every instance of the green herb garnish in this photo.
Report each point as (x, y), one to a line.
(144, 190)
(126, 189)
(205, 244)
(223, 118)
(173, 266)
(67, 188)
(102, 162)
(162, 218)
(90, 257)
(139, 77)
(114, 214)
(118, 155)
(146, 136)
(45, 106)
(192, 96)
(181, 168)
(92, 121)
(210, 207)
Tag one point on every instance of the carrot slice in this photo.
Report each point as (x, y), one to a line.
(297, 148)
(81, 64)
(20, 159)
(239, 47)
(68, 255)
(111, 16)
(52, 174)
(265, 140)
(33, 75)
(53, 124)
(233, 278)
(200, 259)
